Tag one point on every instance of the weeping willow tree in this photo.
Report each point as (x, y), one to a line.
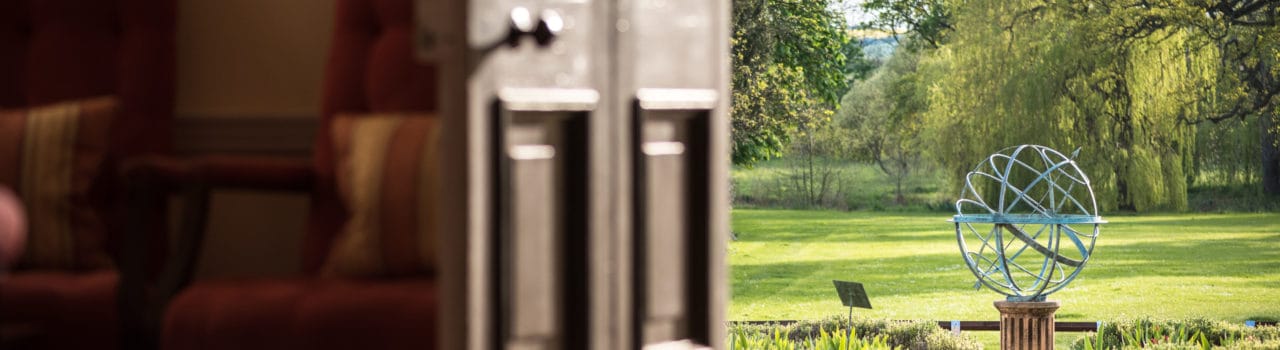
(1238, 167)
(1017, 72)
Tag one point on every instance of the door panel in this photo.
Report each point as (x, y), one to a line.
(530, 278)
(671, 232)
(541, 233)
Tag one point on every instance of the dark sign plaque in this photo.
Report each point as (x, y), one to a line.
(852, 294)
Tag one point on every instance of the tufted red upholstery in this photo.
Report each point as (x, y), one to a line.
(69, 311)
(55, 50)
(371, 69)
(304, 314)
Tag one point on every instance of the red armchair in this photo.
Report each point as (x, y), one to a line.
(370, 69)
(60, 50)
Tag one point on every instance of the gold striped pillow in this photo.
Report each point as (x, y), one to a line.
(386, 176)
(50, 155)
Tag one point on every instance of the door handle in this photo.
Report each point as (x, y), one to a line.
(543, 29)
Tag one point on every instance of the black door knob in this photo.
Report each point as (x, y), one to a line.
(544, 29)
(518, 23)
(549, 26)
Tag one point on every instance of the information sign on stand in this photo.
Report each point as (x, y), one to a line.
(852, 295)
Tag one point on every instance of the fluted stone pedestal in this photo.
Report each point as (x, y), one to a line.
(1026, 325)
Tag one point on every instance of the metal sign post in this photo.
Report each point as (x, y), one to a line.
(851, 295)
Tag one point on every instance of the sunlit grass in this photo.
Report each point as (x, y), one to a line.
(1219, 266)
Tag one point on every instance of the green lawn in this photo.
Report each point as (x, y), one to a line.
(1221, 266)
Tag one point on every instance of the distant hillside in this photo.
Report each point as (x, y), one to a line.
(876, 44)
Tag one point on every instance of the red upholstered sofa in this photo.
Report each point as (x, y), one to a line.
(370, 69)
(60, 50)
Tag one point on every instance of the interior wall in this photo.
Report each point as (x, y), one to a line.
(241, 61)
(251, 58)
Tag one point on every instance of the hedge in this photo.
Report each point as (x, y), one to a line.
(1195, 333)
(828, 333)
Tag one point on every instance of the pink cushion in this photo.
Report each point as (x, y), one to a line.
(303, 314)
(52, 156)
(67, 310)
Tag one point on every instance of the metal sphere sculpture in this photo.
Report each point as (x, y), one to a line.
(1017, 210)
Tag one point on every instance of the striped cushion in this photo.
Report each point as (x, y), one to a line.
(50, 155)
(386, 173)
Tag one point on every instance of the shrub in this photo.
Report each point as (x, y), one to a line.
(835, 184)
(895, 334)
(780, 339)
(1195, 333)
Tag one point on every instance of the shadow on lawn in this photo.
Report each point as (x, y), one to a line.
(1209, 257)
(882, 277)
(945, 272)
(850, 235)
(1233, 223)
(827, 226)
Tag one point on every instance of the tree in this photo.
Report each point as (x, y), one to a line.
(1056, 74)
(1128, 80)
(1244, 36)
(926, 21)
(813, 170)
(857, 65)
(1240, 165)
(881, 117)
(789, 69)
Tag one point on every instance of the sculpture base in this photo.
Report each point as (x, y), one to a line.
(1026, 325)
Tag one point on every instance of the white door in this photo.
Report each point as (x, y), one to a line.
(586, 206)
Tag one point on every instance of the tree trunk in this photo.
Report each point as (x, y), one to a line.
(1270, 155)
(902, 174)
(1124, 141)
(900, 199)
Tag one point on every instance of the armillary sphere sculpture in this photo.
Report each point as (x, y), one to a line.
(1018, 209)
